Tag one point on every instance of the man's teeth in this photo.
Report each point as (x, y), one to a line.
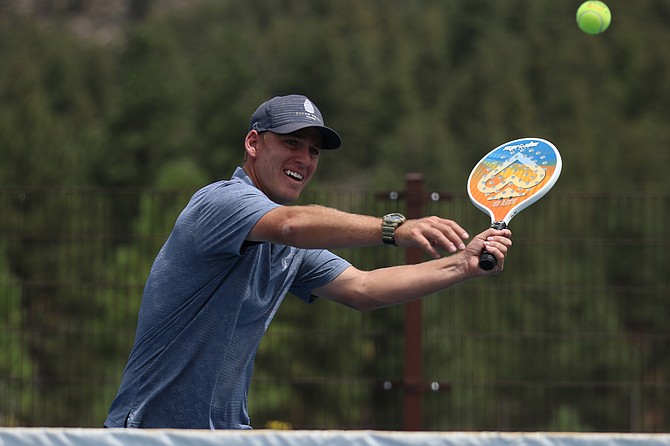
(294, 175)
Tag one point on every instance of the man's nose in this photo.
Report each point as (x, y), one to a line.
(303, 156)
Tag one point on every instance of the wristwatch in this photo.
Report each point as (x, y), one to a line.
(389, 224)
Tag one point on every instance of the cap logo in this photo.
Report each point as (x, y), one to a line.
(309, 107)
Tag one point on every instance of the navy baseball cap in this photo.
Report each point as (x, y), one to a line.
(286, 114)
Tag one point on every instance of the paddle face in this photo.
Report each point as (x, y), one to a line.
(513, 176)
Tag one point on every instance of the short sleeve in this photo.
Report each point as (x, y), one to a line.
(319, 267)
(225, 214)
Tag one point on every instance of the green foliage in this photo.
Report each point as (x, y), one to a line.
(424, 86)
(54, 94)
(16, 367)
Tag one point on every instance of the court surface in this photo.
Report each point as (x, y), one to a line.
(136, 437)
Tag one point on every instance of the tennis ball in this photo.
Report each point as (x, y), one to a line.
(593, 17)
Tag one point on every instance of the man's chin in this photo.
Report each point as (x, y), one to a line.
(288, 193)
(286, 198)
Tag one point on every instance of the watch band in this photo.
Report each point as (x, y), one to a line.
(390, 222)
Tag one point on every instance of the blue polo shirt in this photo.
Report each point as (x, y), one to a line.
(208, 300)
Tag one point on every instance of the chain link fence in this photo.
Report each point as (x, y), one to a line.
(573, 336)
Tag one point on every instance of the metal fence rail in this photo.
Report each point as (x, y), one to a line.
(572, 336)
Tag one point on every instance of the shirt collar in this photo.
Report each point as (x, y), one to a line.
(241, 174)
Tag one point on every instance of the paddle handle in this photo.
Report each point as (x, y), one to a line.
(487, 261)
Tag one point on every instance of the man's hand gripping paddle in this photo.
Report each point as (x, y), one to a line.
(510, 178)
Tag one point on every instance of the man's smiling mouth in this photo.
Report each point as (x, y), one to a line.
(293, 175)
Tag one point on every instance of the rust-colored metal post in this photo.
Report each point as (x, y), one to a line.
(413, 319)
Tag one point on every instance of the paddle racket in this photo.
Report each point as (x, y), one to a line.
(510, 178)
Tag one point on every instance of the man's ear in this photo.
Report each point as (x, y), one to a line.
(251, 143)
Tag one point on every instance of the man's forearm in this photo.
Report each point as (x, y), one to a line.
(369, 290)
(317, 227)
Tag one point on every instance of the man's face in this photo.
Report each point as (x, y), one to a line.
(282, 165)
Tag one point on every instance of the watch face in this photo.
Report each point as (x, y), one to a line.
(394, 218)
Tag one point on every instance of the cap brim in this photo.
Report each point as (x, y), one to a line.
(331, 140)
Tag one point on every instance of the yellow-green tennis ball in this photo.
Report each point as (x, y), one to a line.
(593, 17)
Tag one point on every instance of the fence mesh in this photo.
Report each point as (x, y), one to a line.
(573, 336)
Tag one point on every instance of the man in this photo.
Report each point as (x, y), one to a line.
(238, 248)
